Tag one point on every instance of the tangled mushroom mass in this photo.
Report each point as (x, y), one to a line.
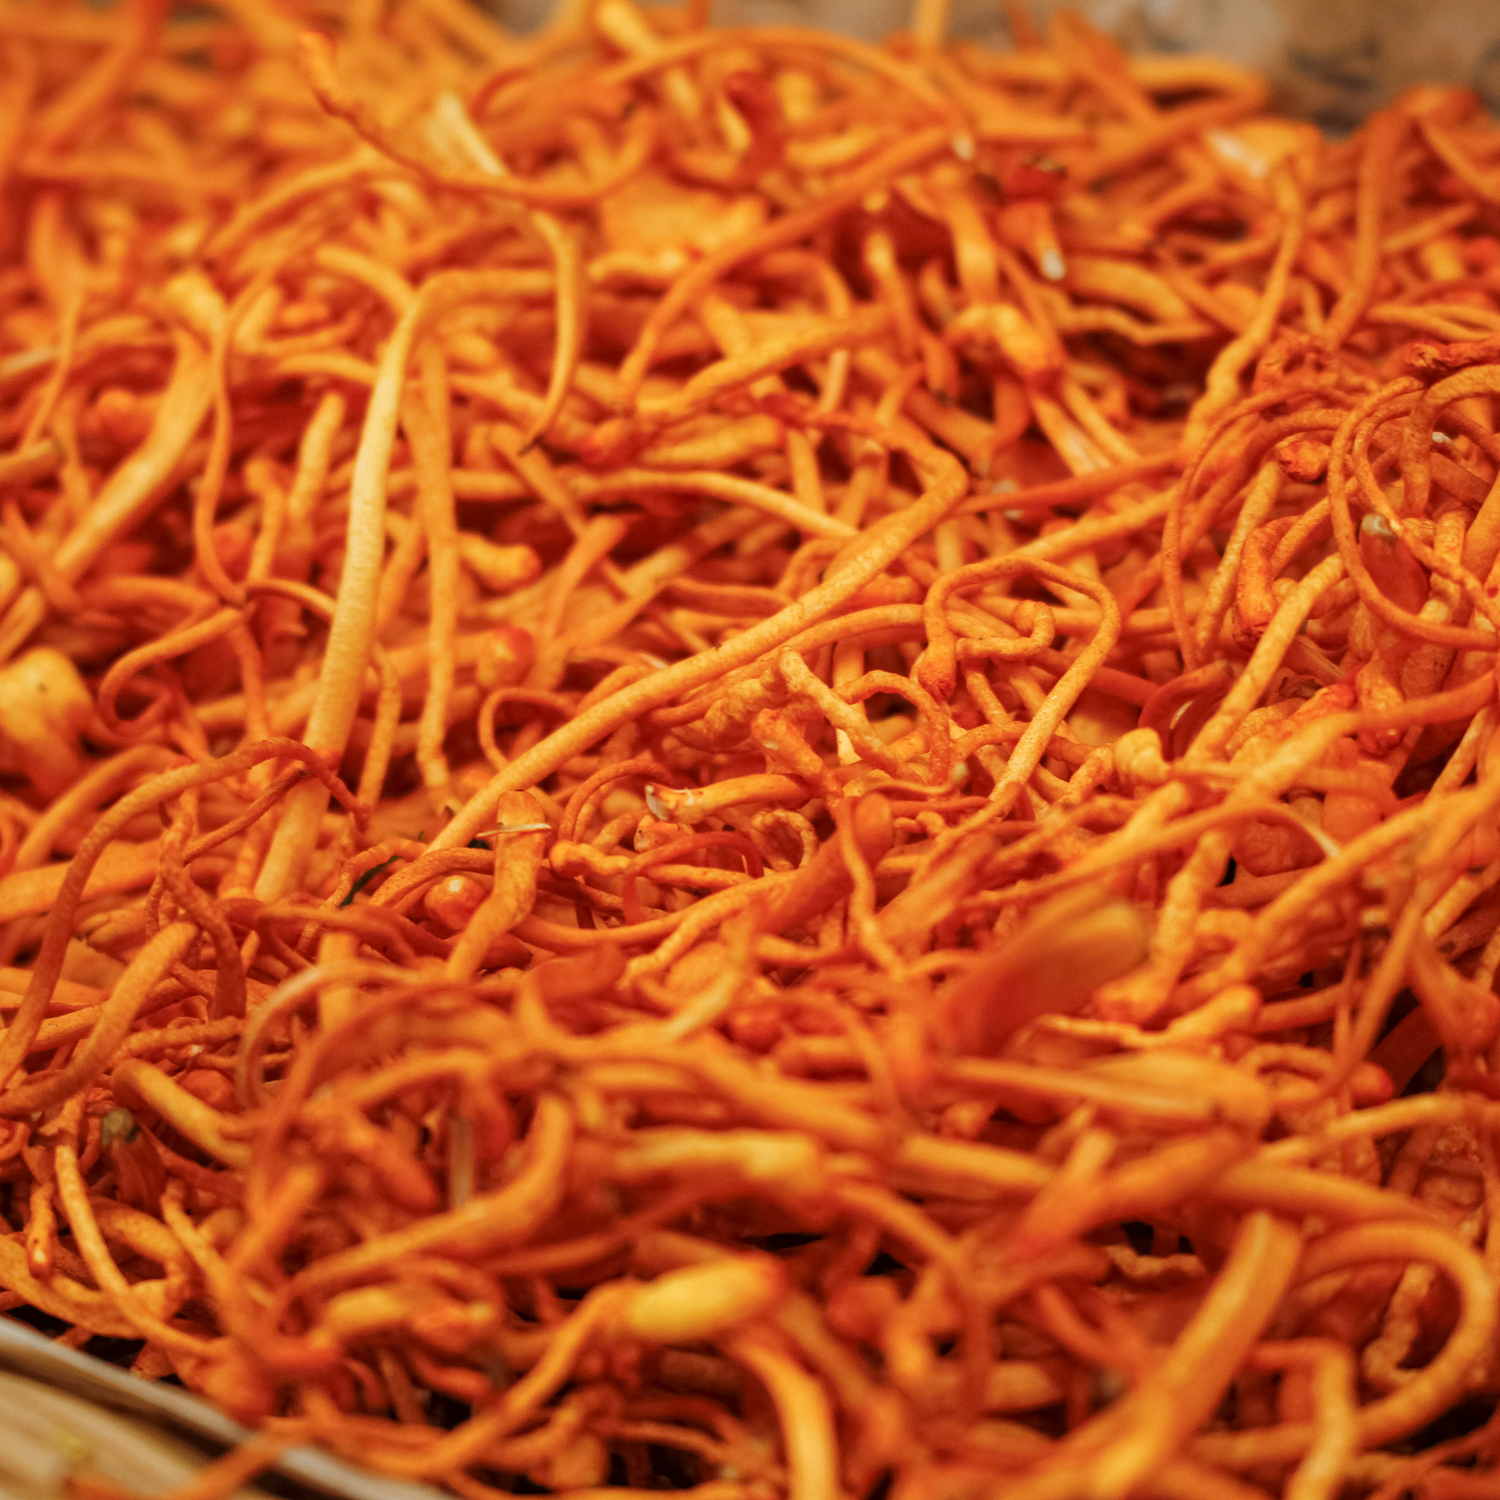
(740, 763)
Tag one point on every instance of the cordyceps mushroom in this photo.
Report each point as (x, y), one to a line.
(139, 1174)
(44, 709)
(705, 1301)
(1068, 947)
(671, 590)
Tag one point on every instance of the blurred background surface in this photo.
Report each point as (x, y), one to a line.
(1332, 61)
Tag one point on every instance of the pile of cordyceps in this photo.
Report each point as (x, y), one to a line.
(739, 763)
